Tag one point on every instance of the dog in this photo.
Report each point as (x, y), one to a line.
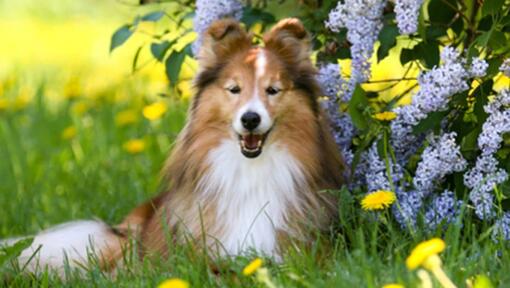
(250, 170)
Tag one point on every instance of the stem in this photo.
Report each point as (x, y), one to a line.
(433, 264)
(442, 278)
(391, 80)
(387, 161)
(426, 282)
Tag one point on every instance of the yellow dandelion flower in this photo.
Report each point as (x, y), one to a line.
(185, 89)
(72, 88)
(80, 108)
(425, 255)
(393, 285)
(385, 116)
(378, 200)
(126, 117)
(174, 283)
(252, 267)
(154, 111)
(480, 281)
(22, 100)
(134, 146)
(423, 251)
(4, 104)
(68, 133)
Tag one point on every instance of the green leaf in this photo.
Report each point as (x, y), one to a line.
(12, 252)
(356, 107)
(173, 66)
(494, 65)
(433, 120)
(484, 38)
(498, 40)
(120, 36)
(253, 15)
(427, 52)
(388, 39)
(481, 94)
(469, 142)
(135, 59)
(407, 55)
(159, 50)
(441, 13)
(153, 16)
(492, 7)
(422, 26)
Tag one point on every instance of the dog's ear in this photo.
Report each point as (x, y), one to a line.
(223, 38)
(289, 40)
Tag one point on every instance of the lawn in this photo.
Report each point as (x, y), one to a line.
(83, 138)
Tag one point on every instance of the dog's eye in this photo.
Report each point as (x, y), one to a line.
(272, 90)
(234, 89)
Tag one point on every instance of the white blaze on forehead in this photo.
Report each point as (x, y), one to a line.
(255, 104)
(260, 64)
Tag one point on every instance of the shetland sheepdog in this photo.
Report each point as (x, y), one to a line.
(248, 172)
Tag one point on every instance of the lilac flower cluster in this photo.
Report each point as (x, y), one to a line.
(496, 124)
(505, 67)
(444, 209)
(377, 178)
(376, 172)
(478, 67)
(363, 20)
(436, 87)
(209, 11)
(483, 177)
(439, 159)
(334, 88)
(502, 228)
(407, 12)
(407, 208)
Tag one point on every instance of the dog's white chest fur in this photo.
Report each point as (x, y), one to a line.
(253, 196)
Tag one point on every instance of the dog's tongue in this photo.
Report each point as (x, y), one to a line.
(251, 141)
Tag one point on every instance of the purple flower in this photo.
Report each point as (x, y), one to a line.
(377, 178)
(478, 67)
(334, 88)
(376, 173)
(439, 159)
(406, 208)
(436, 88)
(407, 12)
(363, 20)
(502, 228)
(444, 209)
(498, 123)
(482, 178)
(505, 67)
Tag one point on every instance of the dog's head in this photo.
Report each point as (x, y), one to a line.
(256, 95)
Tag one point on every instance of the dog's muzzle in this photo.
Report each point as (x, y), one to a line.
(251, 144)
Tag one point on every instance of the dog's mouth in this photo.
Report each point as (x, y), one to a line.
(251, 144)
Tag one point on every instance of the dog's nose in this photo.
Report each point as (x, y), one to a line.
(250, 120)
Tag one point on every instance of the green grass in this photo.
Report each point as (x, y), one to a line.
(45, 180)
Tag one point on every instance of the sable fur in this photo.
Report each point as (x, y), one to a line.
(300, 125)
